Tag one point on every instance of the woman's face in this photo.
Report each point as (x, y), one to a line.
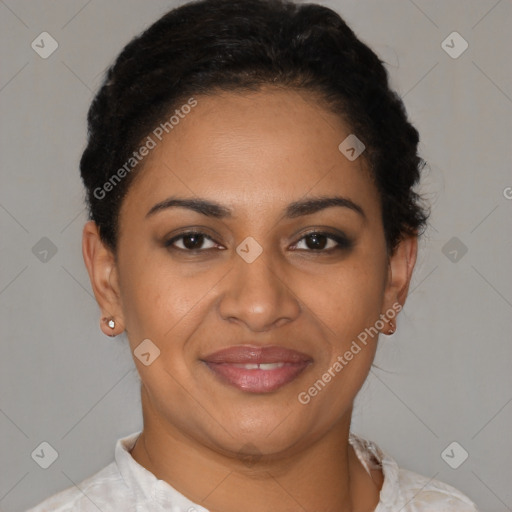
(256, 287)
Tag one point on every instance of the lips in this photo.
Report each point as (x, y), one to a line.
(257, 369)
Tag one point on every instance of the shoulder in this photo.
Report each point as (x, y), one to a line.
(424, 494)
(405, 490)
(97, 492)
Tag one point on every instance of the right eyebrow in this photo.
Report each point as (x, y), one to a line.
(202, 206)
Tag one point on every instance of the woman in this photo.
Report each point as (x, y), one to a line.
(253, 230)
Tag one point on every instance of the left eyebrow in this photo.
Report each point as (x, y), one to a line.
(293, 210)
(310, 206)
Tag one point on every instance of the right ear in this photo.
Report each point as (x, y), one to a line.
(103, 274)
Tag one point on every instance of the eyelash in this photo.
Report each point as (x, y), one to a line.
(343, 242)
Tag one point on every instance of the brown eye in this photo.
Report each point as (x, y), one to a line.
(191, 241)
(316, 241)
(323, 242)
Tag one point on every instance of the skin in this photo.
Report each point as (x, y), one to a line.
(254, 153)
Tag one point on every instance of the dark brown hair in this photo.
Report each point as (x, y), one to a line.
(236, 45)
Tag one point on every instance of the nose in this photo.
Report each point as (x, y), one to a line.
(258, 295)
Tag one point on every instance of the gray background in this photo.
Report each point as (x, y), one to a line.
(445, 376)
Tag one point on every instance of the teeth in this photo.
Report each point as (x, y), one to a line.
(262, 366)
(271, 366)
(250, 366)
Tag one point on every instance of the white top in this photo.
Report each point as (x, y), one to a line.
(126, 486)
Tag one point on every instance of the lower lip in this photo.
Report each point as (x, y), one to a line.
(257, 381)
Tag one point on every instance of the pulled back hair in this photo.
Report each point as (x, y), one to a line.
(208, 46)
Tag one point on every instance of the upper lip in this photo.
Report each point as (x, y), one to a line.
(246, 354)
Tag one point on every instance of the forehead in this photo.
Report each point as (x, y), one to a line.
(247, 150)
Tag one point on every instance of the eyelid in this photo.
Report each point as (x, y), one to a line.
(342, 240)
(169, 241)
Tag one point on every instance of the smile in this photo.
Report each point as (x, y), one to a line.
(257, 369)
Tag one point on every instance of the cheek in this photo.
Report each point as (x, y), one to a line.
(158, 295)
(346, 299)
(345, 306)
(346, 303)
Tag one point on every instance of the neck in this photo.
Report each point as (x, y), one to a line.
(326, 475)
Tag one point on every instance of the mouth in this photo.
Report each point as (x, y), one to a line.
(257, 369)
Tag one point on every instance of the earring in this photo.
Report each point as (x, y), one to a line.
(392, 328)
(112, 324)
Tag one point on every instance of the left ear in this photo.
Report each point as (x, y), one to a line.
(400, 267)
